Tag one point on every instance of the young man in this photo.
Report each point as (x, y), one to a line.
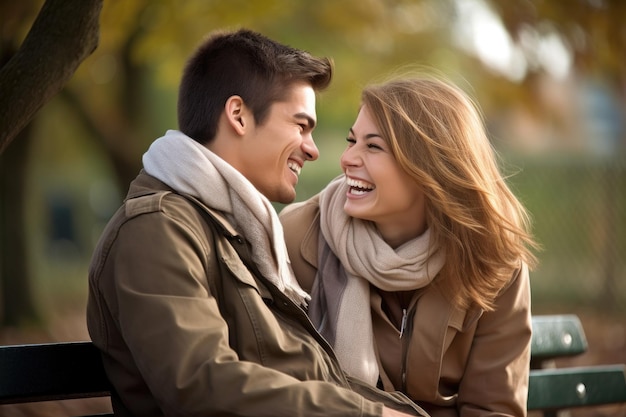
(192, 299)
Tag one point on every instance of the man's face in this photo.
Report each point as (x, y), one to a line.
(277, 149)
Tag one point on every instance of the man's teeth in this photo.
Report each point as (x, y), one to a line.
(294, 167)
(359, 187)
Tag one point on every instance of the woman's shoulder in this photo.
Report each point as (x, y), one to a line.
(300, 223)
(303, 211)
(519, 279)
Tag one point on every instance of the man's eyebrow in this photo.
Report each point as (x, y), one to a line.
(368, 136)
(310, 121)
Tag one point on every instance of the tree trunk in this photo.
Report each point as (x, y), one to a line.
(63, 35)
(17, 305)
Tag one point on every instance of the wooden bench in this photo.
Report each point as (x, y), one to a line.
(71, 370)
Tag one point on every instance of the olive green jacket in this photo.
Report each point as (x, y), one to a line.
(187, 327)
(452, 362)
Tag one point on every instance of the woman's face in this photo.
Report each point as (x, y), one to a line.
(379, 190)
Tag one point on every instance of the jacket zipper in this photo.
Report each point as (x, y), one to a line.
(405, 330)
(403, 324)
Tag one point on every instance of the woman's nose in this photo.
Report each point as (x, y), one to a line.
(350, 157)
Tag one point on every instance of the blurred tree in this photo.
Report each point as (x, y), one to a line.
(64, 33)
(595, 35)
(592, 31)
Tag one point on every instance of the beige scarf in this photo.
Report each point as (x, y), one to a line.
(189, 167)
(340, 304)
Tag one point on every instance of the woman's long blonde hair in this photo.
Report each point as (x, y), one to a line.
(437, 135)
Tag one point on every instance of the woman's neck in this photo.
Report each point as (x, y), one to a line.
(397, 235)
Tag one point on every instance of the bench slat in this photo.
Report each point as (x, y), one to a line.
(52, 371)
(553, 389)
(556, 336)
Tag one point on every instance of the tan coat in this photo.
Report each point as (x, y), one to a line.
(453, 362)
(186, 329)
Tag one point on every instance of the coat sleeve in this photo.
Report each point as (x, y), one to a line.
(171, 323)
(496, 378)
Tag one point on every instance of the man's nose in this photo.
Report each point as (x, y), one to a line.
(309, 148)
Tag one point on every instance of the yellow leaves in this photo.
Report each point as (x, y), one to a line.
(118, 20)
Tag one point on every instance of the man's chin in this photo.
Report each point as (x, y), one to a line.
(286, 200)
(286, 197)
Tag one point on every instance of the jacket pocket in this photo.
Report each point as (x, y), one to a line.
(230, 257)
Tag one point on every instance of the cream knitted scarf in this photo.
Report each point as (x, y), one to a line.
(190, 168)
(352, 255)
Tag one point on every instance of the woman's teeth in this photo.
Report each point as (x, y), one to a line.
(359, 187)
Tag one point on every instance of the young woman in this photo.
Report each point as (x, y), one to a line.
(417, 257)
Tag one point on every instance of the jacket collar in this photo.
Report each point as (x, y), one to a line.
(145, 184)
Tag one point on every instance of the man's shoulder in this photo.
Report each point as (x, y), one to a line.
(178, 206)
(146, 203)
(161, 204)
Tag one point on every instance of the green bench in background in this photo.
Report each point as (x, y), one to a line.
(70, 370)
(552, 389)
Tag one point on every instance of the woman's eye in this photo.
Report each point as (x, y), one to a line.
(350, 140)
(374, 146)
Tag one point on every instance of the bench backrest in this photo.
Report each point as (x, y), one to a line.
(556, 336)
(54, 371)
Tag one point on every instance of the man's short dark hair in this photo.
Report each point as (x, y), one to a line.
(247, 64)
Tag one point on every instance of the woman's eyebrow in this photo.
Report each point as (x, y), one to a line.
(368, 136)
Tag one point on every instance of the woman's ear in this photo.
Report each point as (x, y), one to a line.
(237, 114)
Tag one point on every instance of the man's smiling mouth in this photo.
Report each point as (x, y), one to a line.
(294, 167)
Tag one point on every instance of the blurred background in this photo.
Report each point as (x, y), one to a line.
(549, 76)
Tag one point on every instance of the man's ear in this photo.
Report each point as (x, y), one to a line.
(237, 114)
